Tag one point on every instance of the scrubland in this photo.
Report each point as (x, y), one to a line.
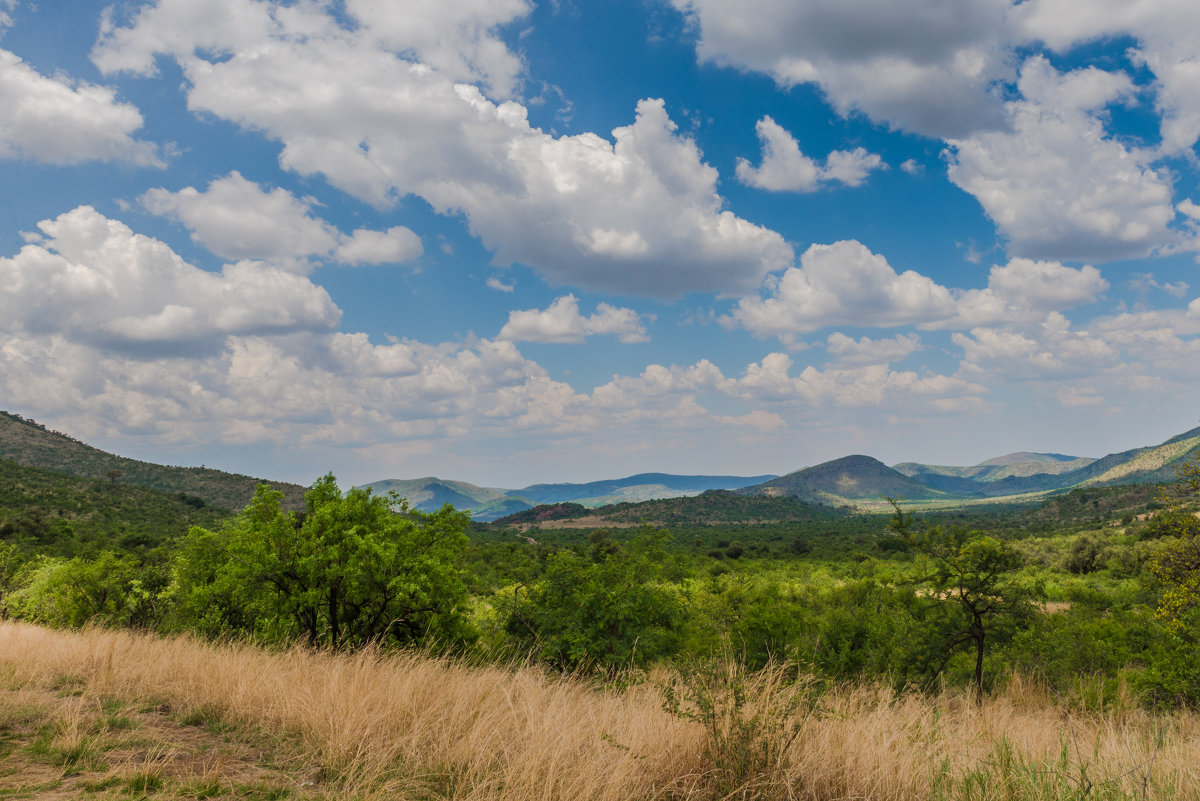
(101, 713)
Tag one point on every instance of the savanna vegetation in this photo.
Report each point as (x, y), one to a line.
(996, 652)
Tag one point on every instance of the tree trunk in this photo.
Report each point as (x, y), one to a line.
(979, 668)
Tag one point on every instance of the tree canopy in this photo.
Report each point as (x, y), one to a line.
(349, 570)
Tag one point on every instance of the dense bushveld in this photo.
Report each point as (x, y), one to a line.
(370, 724)
(1000, 652)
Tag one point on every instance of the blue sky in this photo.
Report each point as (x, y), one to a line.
(512, 242)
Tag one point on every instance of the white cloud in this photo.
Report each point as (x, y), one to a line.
(1055, 185)
(236, 219)
(92, 280)
(562, 322)
(912, 167)
(396, 244)
(872, 351)
(456, 37)
(840, 386)
(61, 121)
(1022, 291)
(770, 385)
(637, 214)
(842, 284)
(495, 283)
(1168, 43)
(925, 66)
(785, 168)
(1050, 351)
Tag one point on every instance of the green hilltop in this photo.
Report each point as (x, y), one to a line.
(29, 443)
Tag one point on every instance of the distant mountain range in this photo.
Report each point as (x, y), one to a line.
(491, 503)
(861, 480)
(856, 481)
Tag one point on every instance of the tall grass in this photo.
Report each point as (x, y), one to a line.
(407, 725)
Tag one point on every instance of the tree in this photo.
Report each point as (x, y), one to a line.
(975, 575)
(352, 569)
(610, 610)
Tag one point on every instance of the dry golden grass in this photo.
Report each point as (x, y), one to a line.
(371, 725)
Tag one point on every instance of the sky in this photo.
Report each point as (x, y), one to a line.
(510, 242)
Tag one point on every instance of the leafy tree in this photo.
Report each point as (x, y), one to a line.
(975, 575)
(110, 589)
(351, 569)
(1177, 562)
(611, 610)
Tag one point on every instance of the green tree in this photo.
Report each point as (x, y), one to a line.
(110, 589)
(351, 569)
(610, 610)
(1177, 562)
(975, 576)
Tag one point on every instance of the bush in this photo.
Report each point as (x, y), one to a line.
(749, 720)
(610, 613)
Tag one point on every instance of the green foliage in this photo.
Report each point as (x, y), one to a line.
(31, 444)
(1086, 553)
(975, 575)
(110, 589)
(352, 569)
(48, 513)
(1177, 563)
(610, 610)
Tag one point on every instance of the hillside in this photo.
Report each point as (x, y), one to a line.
(29, 443)
(47, 512)
(851, 478)
(715, 507)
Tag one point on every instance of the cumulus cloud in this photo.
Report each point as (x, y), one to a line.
(846, 284)
(93, 280)
(236, 219)
(925, 66)
(772, 384)
(562, 322)
(639, 213)
(1051, 351)
(61, 121)
(364, 246)
(1055, 185)
(495, 283)
(1168, 43)
(842, 284)
(1023, 291)
(865, 350)
(785, 168)
(871, 385)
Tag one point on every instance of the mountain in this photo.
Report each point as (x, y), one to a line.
(491, 503)
(641, 487)
(430, 493)
(29, 443)
(44, 511)
(851, 478)
(1021, 473)
(1014, 465)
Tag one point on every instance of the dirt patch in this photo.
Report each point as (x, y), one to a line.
(57, 744)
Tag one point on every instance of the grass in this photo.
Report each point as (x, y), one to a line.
(304, 725)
